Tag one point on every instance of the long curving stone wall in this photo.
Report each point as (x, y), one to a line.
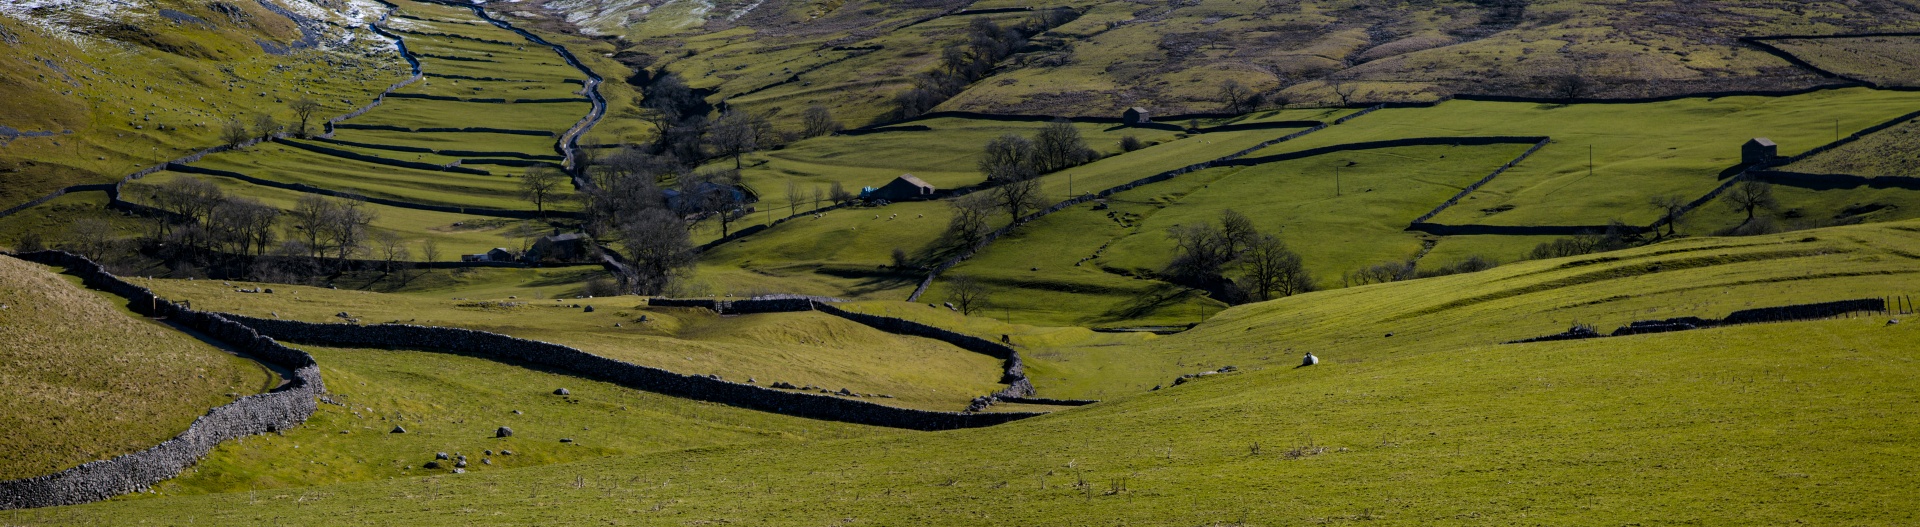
(282, 408)
(577, 362)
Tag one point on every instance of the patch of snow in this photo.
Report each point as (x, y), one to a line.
(744, 10)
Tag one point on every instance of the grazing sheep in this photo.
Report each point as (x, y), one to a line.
(1309, 360)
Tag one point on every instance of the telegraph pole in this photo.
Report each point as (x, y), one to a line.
(1336, 181)
(1589, 160)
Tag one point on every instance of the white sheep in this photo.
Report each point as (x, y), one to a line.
(1309, 360)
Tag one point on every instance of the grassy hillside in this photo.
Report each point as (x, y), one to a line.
(1435, 424)
(453, 403)
(781, 56)
(122, 87)
(798, 348)
(86, 379)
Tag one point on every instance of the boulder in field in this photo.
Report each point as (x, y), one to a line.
(502, 432)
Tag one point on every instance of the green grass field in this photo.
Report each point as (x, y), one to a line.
(89, 380)
(799, 348)
(453, 403)
(1800, 422)
(291, 165)
(456, 234)
(1884, 153)
(1085, 266)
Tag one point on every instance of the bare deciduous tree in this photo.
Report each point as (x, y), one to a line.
(90, 237)
(968, 294)
(1272, 270)
(264, 125)
(540, 184)
(430, 252)
(793, 197)
(818, 121)
(1345, 91)
(303, 109)
(736, 133)
(1750, 194)
(659, 247)
(233, 133)
(1672, 208)
(1008, 158)
(969, 221)
(1234, 96)
(1058, 145)
(838, 194)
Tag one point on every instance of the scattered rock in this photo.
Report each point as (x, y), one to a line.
(1893, 321)
(459, 471)
(562, 391)
(485, 461)
(589, 309)
(461, 464)
(431, 465)
(502, 432)
(489, 452)
(566, 440)
(441, 455)
(516, 412)
(398, 430)
(751, 381)
(506, 452)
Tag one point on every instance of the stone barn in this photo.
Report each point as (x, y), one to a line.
(1137, 116)
(903, 188)
(1758, 150)
(567, 247)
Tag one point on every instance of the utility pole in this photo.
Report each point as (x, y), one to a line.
(1589, 160)
(1336, 181)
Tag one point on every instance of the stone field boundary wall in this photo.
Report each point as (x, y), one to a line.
(284, 407)
(1014, 370)
(994, 235)
(1792, 313)
(695, 387)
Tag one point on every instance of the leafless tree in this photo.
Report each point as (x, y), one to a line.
(344, 229)
(659, 247)
(838, 194)
(1234, 96)
(233, 133)
(392, 249)
(90, 237)
(818, 121)
(793, 197)
(303, 109)
(264, 125)
(245, 224)
(1058, 145)
(1381, 273)
(735, 133)
(969, 221)
(1345, 91)
(540, 184)
(1272, 270)
(190, 197)
(430, 252)
(1008, 158)
(1750, 194)
(310, 213)
(967, 293)
(1020, 197)
(1672, 208)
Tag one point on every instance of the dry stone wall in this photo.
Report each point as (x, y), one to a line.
(282, 408)
(564, 358)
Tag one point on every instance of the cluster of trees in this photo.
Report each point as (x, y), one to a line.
(236, 131)
(1205, 253)
(1013, 165)
(960, 65)
(202, 225)
(1395, 271)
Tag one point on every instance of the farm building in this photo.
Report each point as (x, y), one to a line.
(498, 254)
(702, 196)
(567, 247)
(903, 188)
(1137, 116)
(1758, 150)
